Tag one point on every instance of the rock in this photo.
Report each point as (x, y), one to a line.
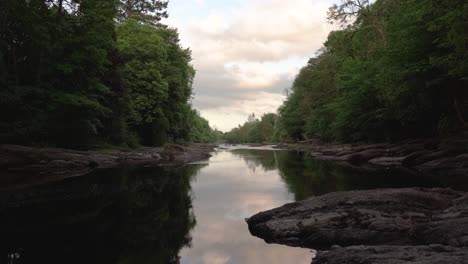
(55, 164)
(363, 156)
(411, 159)
(393, 255)
(411, 225)
(387, 161)
(365, 147)
(422, 156)
(450, 166)
(430, 156)
(376, 217)
(404, 149)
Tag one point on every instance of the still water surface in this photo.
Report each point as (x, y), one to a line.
(192, 215)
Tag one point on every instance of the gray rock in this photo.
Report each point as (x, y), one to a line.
(392, 221)
(385, 216)
(40, 165)
(422, 156)
(387, 161)
(393, 255)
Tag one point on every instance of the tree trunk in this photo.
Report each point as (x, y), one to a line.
(60, 7)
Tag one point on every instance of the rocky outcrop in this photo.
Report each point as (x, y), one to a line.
(394, 255)
(48, 164)
(385, 217)
(424, 156)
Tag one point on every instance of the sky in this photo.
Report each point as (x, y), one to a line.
(247, 52)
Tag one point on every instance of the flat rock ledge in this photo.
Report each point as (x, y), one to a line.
(424, 155)
(411, 225)
(394, 254)
(47, 164)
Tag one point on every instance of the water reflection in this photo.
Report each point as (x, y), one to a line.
(190, 215)
(235, 185)
(112, 216)
(306, 177)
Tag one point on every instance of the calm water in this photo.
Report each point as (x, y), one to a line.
(194, 214)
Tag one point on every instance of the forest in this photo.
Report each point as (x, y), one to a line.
(90, 73)
(395, 69)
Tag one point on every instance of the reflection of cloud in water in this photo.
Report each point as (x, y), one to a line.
(215, 258)
(226, 192)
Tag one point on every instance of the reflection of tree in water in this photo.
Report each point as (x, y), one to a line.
(254, 158)
(116, 216)
(307, 177)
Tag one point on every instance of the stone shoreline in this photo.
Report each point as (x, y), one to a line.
(20, 165)
(421, 156)
(411, 225)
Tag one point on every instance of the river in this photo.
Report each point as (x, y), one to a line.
(193, 214)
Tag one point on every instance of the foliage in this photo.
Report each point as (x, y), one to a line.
(55, 63)
(397, 71)
(254, 130)
(71, 77)
(200, 130)
(144, 11)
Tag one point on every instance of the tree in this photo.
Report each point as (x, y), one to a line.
(70, 78)
(254, 130)
(397, 70)
(144, 11)
(347, 11)
(362, 14)
(55, 59)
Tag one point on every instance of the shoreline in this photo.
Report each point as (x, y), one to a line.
(429, 157)
(24, 166)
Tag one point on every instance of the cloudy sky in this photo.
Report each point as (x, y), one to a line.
(247, 52)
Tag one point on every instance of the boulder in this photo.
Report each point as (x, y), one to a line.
(394, 225)
(374, 217)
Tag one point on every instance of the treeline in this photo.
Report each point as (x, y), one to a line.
(399, 70)
(254, 130)
(82, 73)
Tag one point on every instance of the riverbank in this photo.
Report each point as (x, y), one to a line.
(420, 156)
(375, 226)
(22, 165)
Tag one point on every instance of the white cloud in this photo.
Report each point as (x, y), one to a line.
(200, 2)
(246, 55)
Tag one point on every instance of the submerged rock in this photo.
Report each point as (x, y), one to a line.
(396, 217)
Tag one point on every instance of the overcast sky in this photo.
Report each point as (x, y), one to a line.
(247, 52)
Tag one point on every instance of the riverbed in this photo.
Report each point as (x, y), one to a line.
(192, 214)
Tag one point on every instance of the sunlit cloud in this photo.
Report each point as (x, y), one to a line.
(247, 52)
(215, 258)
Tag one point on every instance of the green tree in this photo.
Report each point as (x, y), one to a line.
(55, 60)
(396, 70)
(144, 11)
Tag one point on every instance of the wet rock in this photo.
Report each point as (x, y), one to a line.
(393, 255)
(54, 164)
(387, 161)
(386, 216)
(412, 159)
(392, 221)
(426, 156)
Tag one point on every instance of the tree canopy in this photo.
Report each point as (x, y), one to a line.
(397, 69)
(91, 72)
